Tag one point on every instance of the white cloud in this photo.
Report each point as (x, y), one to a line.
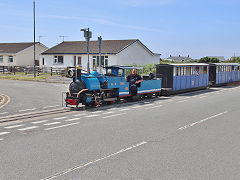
(104, 22)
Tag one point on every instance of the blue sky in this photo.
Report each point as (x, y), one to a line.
(195, 27)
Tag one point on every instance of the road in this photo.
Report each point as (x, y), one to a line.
(29, 96)
(192, 136)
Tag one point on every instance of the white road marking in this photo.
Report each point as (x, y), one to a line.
(14, 126)
(27, 110)
(125, 109)
(27, 128)
(94, 161)
(202, 97)
(96, 112)
(153, 107)
(50, 106)
(114, 115)
(1, 139)
(3, 113)
(73, 119)
(38, 122)
(65, 125)
(146, 102)
(3, 133)
(110, 112)
(146, 105)
(52, 123)
(181, 101)
(201, 121)
(94, 115)
(59, 118)
(76, 115)
(170, 100)
(135, 107)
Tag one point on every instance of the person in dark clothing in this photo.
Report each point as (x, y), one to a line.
(134, 82)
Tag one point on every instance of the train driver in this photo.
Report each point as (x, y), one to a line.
(134, 81)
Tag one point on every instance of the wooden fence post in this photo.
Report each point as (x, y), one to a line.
(51, 71)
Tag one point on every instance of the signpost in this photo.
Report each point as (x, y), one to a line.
(88, 36)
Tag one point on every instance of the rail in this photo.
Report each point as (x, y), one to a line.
(34, 114)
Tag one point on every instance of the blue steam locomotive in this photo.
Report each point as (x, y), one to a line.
(94, 89)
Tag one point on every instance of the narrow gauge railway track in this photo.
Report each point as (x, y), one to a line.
(34, 114)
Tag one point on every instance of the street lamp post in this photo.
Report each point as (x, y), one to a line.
(34, 37)
(88, 36)
(100, 51)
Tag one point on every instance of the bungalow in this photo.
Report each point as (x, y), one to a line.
(179, 58)
(114, 52)
(20, 54)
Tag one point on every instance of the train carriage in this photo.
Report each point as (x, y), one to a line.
(223, 73)
(178, 78)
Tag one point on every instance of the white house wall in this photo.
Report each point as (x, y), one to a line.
(68, 60)
(5, 60)
(25, 57)
(136, 54)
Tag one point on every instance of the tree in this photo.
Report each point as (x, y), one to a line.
(209, 60)
(235, 60)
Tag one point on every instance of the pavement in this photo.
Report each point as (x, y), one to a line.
(192, 136)
(29, 96)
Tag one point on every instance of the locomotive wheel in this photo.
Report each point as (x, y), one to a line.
(150, 95)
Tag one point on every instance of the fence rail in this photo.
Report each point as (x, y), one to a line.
(28, 70)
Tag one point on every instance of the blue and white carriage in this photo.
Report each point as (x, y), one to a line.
(98, 88)
(223, 73)
(178, 78)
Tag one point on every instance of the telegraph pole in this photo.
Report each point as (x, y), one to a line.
(34, 46)
(100, 51)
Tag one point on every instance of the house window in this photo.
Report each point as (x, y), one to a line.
(1, 59)
(58, 59)
(10, 59)
(96, 61)
(106, 60)
(43, 62)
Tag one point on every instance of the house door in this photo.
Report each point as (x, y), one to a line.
(74, 61)
(37, 62)
(79, 60)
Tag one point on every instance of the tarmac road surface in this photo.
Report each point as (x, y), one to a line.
(192, 136)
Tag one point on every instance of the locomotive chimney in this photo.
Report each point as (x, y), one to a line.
(79, 72)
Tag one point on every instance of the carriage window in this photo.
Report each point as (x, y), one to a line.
(188, 71)
(193, 70)
(120, 72)
(205, 69)
(174, 71)
(197, 70)
(109, 71)
(238, 68)
(178, 71)
(233, 69)
(183, 71)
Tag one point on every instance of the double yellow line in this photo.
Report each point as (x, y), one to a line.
(4, 100)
